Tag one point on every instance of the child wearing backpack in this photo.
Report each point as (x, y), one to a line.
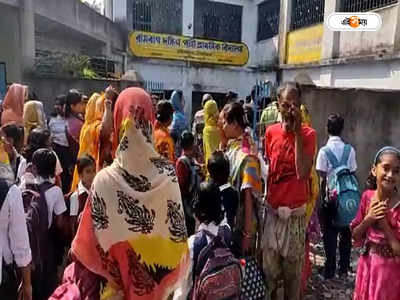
(213, 236)
(188, 173)
(336, 164)
(44, 202)
(218, 168)
(376, 228)
(86, 166)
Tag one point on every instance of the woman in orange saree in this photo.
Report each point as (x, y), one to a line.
(132, 231)
(95, 131)
(163, 142)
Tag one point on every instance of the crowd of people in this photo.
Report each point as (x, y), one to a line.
(118, 196)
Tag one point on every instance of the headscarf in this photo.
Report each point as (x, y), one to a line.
(34, 117)
(313, 181)
(13, 104)
(89, 141)
(211, 135)
(133, 230)
(179, 121)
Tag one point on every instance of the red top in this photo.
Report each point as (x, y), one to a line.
(284, 188)
(183, 174)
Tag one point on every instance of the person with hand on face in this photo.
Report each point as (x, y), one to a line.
(377, 228)
(244, 177)
(290, 149)
(96, 131)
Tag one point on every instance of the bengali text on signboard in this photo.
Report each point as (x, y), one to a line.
(164, 46)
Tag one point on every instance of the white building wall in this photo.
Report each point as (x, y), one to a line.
(218, 79)
(373, 75)
(205, 79)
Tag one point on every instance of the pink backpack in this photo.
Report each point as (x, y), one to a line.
(217, 273)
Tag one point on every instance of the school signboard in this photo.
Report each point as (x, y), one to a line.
(304, 45)
(173, 47)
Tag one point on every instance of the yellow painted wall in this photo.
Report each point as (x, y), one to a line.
(304, 45)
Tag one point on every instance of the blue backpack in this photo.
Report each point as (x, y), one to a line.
(342, 188)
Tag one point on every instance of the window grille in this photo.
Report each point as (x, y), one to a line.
(218, 20)
(268, 19)
(365, 5)
(162, 16)
(142, 15)
(307, 12)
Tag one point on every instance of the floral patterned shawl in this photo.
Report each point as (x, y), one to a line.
(133, 230)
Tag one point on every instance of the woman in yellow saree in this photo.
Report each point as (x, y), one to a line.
(132, 231)
(95, 131)
(211, 132)
(310, 209)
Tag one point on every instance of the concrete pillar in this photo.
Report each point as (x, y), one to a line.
(249, 29)
(330, 39)
(188, 18)
(284, 28)
(187, 91)
(27, 35)
(397, 32)
(108, 9)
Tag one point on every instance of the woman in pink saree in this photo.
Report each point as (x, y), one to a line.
(377, 228)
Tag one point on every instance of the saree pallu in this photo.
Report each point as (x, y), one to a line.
(132, 231)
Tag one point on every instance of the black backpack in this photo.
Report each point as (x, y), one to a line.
(35, 206)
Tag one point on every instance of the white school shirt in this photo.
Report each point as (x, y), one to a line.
(57, 127)
(74, 199)
(54, 199)
(14, 238)
(54, 196)
(336, 145)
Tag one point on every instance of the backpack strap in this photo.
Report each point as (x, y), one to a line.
(200, 241)
(4, 188)
(331, 157)
(345, 155)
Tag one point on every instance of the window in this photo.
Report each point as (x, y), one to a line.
(268, 19)
(306, 13)
(142, 16)
(364, 5)
(161, 16)
(216, 20)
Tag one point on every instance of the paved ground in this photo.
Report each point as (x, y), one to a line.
(337, 289)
